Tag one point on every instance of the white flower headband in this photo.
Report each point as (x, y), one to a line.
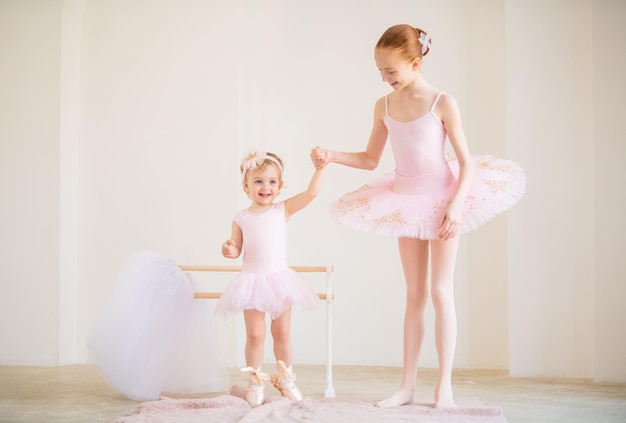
(254, 159)
(424, 41)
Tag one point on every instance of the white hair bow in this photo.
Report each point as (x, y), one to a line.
(424, 41)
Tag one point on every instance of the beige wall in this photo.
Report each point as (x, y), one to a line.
(609, 135)
(158, 127)
(29, 181)
(144, 108)
(550, 130)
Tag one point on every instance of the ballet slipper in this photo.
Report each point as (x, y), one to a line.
(402, 397)
(255, 394)
(284, 381)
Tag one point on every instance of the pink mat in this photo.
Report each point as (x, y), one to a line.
(229, 408)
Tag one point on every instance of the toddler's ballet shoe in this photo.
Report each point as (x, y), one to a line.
(284, 381)
(287, 389)
(255, 394)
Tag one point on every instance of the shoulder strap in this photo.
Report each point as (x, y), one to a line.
(436, 100)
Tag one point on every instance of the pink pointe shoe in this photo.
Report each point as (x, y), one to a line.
(255, 394)
(285, 380)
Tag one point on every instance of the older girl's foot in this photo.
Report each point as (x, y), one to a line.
(444, 397)
(402, 397)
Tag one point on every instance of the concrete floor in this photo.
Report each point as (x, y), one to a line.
(77, 394)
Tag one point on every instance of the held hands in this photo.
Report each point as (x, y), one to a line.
(450, 223)
(229, 249)
(320, 157)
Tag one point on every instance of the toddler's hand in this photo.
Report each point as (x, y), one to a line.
(229, 249)
(320, 157)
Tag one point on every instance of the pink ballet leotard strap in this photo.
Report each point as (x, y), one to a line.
(432, 108)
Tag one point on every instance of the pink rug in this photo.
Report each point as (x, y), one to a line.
(229, 408)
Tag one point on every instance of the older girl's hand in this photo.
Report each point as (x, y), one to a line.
(320, 157)
(450, 223)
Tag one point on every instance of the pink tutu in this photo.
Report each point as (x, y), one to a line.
(270, 292)
(413, 207)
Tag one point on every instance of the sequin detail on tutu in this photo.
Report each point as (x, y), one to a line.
(398, 206)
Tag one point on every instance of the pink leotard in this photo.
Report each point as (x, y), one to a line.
(410, 201)
(266, 283)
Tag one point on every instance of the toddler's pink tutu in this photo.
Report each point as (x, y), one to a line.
(271, 292)
(400, 206)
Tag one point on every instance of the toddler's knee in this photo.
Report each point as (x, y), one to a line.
(256, 338)
(281, 335)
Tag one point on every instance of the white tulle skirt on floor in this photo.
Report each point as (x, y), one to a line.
(153, 337)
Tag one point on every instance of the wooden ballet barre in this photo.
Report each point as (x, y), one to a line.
(216, 295)
(220, 268)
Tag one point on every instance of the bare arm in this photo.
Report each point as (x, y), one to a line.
(448, 109)
(367, 159)
(232, 247)
(300, 201)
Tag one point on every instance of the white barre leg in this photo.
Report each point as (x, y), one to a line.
(329, 391)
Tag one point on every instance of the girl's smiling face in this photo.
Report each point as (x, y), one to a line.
(394, 69)
(263, 186)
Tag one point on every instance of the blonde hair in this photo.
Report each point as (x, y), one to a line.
(263, 161)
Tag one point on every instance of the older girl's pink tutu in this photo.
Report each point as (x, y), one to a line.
(401, 206)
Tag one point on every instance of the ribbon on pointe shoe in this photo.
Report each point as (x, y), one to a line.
(284, 381)
(286, 372)
(256, 374)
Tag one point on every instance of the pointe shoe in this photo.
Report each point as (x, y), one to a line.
(255, 394)
(284, 381)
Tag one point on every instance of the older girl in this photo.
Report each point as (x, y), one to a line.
(428, 201)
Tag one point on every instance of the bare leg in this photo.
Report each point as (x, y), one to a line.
(414, 257)
(281, 333)
(255, 337)
(443, 261)
(285, 379)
